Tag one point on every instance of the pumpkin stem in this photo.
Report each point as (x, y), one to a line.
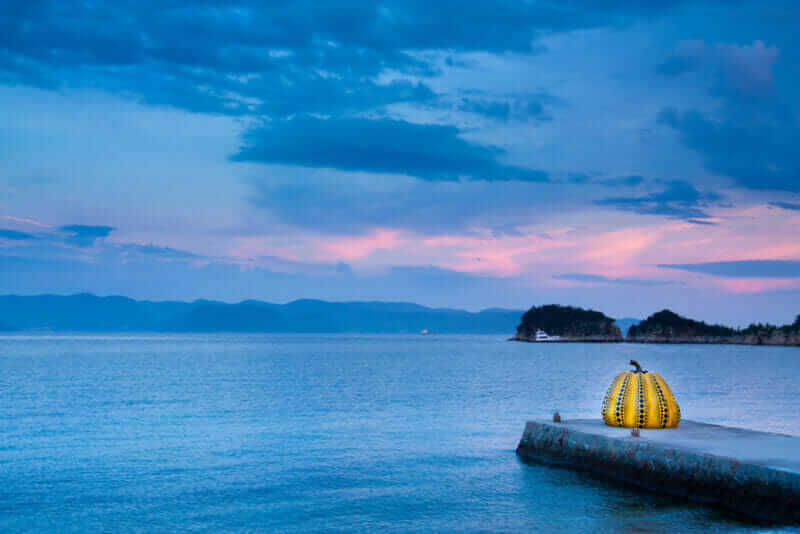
(637, 366)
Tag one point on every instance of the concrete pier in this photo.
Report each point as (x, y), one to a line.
(752, 473)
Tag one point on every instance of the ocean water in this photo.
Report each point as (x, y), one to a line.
(347, 433)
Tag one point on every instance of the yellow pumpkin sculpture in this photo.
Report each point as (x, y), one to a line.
(639, 399)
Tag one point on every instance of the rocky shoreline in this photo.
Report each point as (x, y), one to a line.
(581, 339)
(777, 341)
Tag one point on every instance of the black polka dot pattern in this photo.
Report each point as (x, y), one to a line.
(619, 408)
(641, 400)
(609, 394)
(644, 398)
(663, 413)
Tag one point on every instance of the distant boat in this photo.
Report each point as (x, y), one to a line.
(424, 332)
(541, 335)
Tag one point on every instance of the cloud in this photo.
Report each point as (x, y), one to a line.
(598, 279)
(494, 109)
(129, 250)
(680, 200)
(750, 136)
(251, 58)
(786, 205)
(88, 244)
(23, 220)
(426, 151)
(753, 147)
(503, 109)
(13, 235)
(743, 268)
(329, 201)
(688, 56)
(625, 181)
(746, 70)
(578, 178)
(246, 59)
(85, 236)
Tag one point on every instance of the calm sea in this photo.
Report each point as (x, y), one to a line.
(348, 433)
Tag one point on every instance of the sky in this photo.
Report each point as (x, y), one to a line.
(623, 156)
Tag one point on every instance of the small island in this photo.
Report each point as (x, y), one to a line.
(556, 323)
(669, 327)
(566, 323)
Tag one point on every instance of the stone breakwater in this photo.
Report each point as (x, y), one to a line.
(756, 474)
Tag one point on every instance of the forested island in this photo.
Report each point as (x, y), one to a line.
(569, 324)
(669, 327)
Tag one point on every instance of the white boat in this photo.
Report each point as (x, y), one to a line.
(541, 335)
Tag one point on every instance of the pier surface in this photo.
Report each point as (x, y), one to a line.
(752, 473)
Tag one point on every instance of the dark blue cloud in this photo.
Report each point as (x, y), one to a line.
(503, 109)
(740, 71)
(625, 181)
(245, 59)
(754, 147)
(578, 177)
(680, 200)
(677, 65)
(493, 109)
(274, 58)
(195, 31)
(701, 221)
(13, 235)
(425, 151)
(156, 252)
(786, 205)
(750, 136)
(85, 236)
(599, 279)
(743, 268)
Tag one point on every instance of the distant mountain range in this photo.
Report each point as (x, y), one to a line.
(90, 313)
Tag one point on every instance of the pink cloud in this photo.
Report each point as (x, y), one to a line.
(618, 248)
(352, 248)
(498, 262)
(757, 285)
(625, 252)
(498, 256)
(23, 220)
